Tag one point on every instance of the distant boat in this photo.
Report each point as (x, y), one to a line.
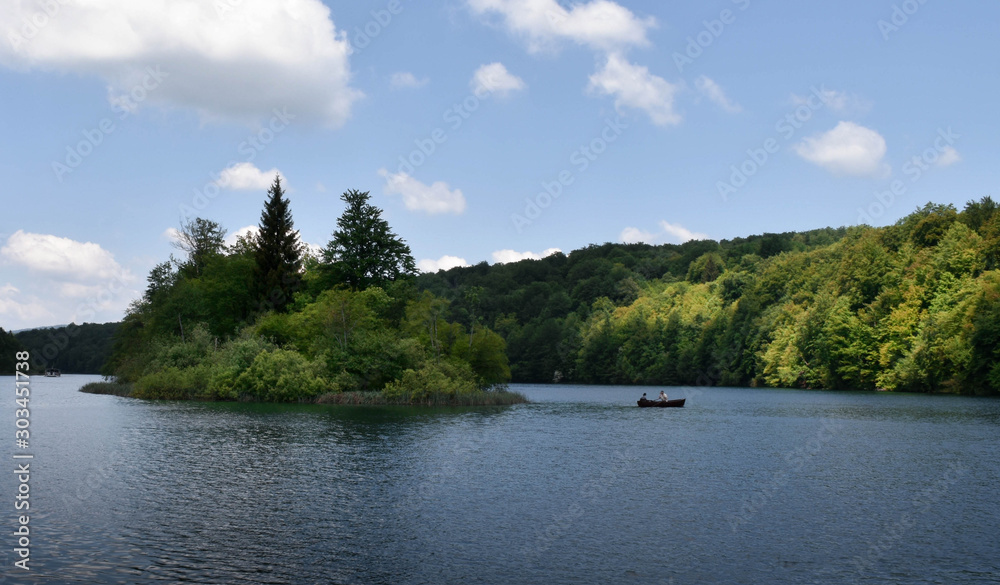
(52, 373)
(643, 403)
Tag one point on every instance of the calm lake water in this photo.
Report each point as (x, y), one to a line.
(740, 486)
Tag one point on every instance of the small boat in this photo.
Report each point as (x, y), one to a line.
(52, 373)
(643, 403)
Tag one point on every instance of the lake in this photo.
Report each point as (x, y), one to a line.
(740, 486)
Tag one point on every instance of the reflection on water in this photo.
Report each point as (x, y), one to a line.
(578, 487)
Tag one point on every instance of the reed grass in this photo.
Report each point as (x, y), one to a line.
(480, 398)
(110, 388)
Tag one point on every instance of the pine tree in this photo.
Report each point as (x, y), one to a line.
(364, 252)
(277, 252)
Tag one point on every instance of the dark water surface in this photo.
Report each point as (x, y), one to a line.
(740, 486)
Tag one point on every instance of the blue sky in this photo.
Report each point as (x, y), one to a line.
(486, 129)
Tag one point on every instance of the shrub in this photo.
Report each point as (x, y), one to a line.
(434, 381)
(281, 376)
(173, 384)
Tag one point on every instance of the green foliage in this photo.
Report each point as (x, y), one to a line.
(74, 349)
(198, 332)
(277, 253)
(9, 346)
(434, 382)
(364, 252)
(202, 240)
(282, 376)
(913, 306)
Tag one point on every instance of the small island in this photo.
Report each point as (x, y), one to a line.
(266, 320)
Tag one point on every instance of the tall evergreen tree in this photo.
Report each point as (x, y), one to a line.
(364, 252)
(277, 253)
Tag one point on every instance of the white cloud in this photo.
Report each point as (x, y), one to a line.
(634, 86)
(442, 263)
(61, 257)
(245, 175)
(713, 92)
(225, 60)
(405, 79)
(436, 198)
(506, 256)
(679, 234)
(250, 230)
(631, 235)
(21, 312)
(495, 79)
(172, 235)
(848, 149)
(598, 24)
(949, 156)
(672, 233)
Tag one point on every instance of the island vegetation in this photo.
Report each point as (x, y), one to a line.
(265, 320)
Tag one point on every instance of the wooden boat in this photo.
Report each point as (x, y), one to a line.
(52, 373)
(643, 403)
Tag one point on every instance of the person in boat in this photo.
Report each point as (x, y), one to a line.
(643, 396)
(663, 396)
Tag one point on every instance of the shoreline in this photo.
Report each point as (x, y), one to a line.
(502, 397)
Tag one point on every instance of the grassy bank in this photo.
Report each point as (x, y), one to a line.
(478, 398)
(112, 388)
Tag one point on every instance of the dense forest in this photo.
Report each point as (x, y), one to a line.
(74, 349)
(264, 320)
(9, 345)
(914, 306)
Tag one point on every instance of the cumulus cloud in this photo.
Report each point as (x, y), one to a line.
(949, 156)
(172, 235)
(670, 233)
(495, 79)
(433, 199)
(713, 92)
(223, 59)
(506, 256)
(633, 86)
(848, 149)
(442, 263)
(244, 175)
(60, 257)
(16, 313)
(543, 24)
(250, 230)
(406, 80)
